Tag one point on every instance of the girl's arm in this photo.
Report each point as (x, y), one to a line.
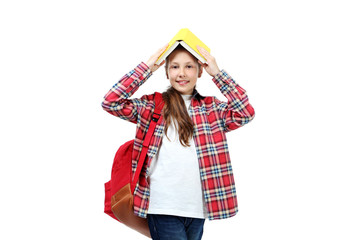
(237, 111)
(117, 101)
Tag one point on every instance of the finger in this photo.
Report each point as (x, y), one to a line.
(203, 50)
(162, 49)
(162, 63)
(158, 53)
(205, 53)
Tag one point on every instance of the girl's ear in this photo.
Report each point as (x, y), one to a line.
(200, 71)
(166, 72)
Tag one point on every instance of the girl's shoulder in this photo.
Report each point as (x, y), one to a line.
(207, 99)
(151, 100)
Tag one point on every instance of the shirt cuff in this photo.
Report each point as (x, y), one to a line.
(143, 70)
(221, 75)
(140, 74)
(222, 79)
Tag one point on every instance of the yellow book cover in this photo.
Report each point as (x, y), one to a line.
(189, 41)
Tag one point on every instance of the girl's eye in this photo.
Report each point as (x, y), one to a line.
(174, 67)
(189, 66)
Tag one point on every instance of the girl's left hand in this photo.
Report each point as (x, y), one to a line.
(210, 66)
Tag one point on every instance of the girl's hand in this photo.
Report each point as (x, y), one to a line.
(152, 60)
(211, 66)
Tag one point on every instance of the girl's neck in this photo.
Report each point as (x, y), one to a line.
(186, 97)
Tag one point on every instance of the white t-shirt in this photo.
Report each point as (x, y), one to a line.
(175, 185)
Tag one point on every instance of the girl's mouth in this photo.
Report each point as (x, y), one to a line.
(182, 82)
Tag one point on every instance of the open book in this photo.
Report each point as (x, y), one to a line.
(189, 41)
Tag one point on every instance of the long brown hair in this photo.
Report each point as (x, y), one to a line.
(175, 109)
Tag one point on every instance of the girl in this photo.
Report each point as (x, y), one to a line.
(187, 176)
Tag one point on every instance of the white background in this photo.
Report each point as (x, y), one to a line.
(296, 165)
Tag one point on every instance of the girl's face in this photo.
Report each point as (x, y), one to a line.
(182, 71)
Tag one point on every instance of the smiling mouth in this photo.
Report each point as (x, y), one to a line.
(182, 82)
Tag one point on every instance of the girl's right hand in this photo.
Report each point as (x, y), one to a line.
(152, 60)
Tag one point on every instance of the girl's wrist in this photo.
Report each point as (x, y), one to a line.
(216, 73)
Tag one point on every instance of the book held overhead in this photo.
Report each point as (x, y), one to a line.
(189, 41)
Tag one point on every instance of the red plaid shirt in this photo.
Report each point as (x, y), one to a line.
(212, 118)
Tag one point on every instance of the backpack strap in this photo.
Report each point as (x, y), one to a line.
(156, 116)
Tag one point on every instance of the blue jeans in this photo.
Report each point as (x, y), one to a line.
(166, 227)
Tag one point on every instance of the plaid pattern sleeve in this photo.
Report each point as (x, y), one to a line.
(116, 101)
(237, 111)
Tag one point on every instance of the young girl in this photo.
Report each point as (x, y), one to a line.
(187, 176)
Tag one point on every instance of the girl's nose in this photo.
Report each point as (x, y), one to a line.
(182, 72)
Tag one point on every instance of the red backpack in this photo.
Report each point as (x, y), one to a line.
(119, 190)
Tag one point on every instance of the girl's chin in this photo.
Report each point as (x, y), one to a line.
(184, 91)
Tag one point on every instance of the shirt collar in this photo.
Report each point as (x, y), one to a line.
(197, 95)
